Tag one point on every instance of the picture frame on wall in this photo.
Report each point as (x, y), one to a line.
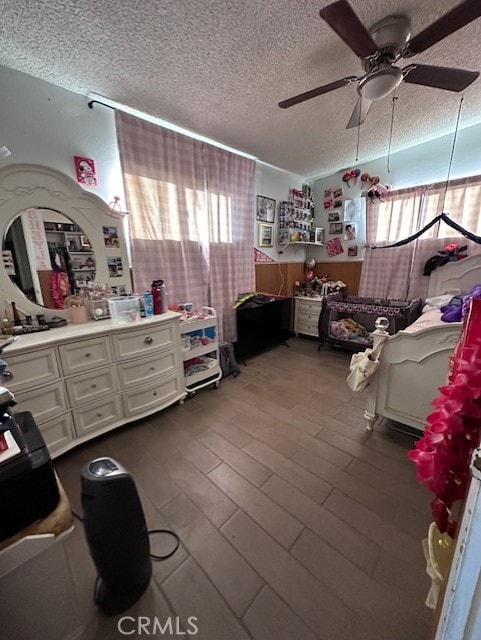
(266, 209)
(319, 235)
(336, 228)
(265, 235)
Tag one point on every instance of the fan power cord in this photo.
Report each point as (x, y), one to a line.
(170, 533)
(150, 533)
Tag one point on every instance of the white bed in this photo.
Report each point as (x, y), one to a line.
(414, 362)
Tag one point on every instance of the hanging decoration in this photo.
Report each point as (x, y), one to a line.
(260, 256)
(59, 288)
(115, 209)
(351, 175)
(441, 217)
(442, 456)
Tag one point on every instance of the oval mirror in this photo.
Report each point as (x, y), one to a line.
(47, 256)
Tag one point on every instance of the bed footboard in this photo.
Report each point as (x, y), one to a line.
(413, 367)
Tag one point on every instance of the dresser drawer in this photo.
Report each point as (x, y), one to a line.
(85, 355)
(32, 369)
(44, 403)
(148, 369)
(97, 416)
(89, 386)
(308, 306)
(308, 318)
(58, 434)
(132, 344)
(308, 329)
(158, 395)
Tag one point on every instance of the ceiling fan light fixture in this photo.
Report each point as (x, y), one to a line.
(380, 83)
(4, 152)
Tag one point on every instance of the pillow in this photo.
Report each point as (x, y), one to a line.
(439, 301)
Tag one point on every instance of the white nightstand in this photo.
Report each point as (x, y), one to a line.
(306, 315)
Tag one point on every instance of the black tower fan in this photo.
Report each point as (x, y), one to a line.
(116, 533)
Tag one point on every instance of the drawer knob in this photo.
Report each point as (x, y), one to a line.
(152, 368)
(155, 393)
(8, 375)
(87, 355)
(94, 386)
(99, 415)
(148, 340)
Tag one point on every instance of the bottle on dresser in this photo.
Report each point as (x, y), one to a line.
(148, 304)
(159, 295)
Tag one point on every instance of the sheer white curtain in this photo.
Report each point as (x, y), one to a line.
(190, 210)
(398, 272)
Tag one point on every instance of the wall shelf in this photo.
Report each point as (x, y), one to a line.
(299, 242)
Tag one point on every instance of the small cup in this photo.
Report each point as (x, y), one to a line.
(78, 315)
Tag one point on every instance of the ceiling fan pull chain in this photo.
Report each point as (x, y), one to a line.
(394, 98)
(358, 131)
(452, 154)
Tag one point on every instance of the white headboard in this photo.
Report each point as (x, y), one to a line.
(462, 275)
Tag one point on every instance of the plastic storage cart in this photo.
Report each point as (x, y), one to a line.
(200, 350)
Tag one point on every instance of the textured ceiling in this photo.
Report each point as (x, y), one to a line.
(219, 68)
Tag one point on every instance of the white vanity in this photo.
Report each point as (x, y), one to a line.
(82, 380)
(79, 380)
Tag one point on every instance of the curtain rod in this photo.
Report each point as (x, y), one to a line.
(92, 102)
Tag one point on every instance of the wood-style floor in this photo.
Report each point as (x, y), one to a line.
(295, 523)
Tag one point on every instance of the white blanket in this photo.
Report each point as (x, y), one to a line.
(427, 320)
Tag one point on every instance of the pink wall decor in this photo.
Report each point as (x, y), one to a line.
(260, 256)
(334, 247)
(85, 171)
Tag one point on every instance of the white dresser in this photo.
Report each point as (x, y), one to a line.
(306, 315)
(82, 380)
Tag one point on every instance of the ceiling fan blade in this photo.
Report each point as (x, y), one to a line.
(342, 19)
(317, 92)
(440, 77)
(455, 19)
(360, 112)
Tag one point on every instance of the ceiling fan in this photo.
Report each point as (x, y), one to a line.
(382, 45)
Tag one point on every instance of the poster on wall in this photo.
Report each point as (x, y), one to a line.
(115, 267)
(350, 231)
(335, 228)
(111, 237)
(353, 209)
(85, 171)
(334, 247)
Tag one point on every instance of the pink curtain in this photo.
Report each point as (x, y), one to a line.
(385, 272)
(190, 210)
(398, 272)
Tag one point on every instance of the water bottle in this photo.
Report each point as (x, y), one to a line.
(163, 297)
(157, 296)
(148, 304)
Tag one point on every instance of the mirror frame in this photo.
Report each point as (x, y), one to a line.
(26, 186)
